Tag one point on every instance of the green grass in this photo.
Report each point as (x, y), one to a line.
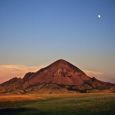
(86, 104)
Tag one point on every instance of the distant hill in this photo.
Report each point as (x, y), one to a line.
(60, 76)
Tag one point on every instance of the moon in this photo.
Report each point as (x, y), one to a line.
(99, 16)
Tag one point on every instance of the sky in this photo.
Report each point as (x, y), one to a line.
(35, 33)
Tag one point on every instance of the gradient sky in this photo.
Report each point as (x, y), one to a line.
(38, 32)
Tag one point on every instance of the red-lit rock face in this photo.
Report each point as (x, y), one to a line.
(60, 72)
(59, 75)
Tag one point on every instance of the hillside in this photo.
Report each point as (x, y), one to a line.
(60, 76)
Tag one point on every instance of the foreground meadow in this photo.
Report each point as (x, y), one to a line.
(58, 104)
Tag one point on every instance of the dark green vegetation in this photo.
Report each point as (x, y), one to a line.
(83, 104)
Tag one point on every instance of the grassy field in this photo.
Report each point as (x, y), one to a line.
(58, 104)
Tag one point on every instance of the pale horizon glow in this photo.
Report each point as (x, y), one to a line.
(9, 71)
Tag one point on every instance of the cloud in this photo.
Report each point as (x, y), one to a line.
(93, 73)
(96, 74)
(101, 76)
(10, 71)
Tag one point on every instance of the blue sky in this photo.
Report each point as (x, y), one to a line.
(36, 32)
